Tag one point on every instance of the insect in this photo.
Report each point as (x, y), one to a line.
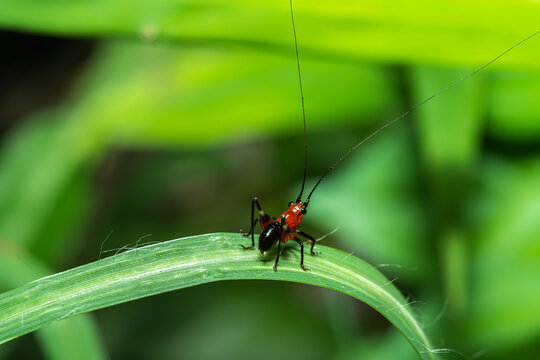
(286, 227)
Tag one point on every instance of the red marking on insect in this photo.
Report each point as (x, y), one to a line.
(293, 218)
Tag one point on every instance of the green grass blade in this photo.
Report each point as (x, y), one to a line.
(191, 261)
(75, 338)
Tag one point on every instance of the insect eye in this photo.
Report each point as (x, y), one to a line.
(304, 210)
(290, 203)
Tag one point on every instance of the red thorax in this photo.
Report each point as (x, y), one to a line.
(293, 218)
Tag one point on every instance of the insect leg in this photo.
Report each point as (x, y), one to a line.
(264, 219)
(301, 253)
(277, 257)
(253, 223)
(282, 229)
(311, 241)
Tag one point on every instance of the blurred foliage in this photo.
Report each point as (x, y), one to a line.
(389, 30)
(187, 109)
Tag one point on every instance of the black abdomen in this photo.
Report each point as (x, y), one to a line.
(270, 236)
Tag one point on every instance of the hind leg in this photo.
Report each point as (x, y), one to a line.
(301, 253)
(263, 219)
(311, 241)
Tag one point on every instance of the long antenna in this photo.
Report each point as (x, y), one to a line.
(351, 150)
(303, 107)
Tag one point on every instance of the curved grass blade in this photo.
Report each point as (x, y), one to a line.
(191, 261)
(76, 338)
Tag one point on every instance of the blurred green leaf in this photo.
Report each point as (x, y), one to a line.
(38, 164)
(450, 132)
(450, 126)
(382, 347)
(195, 260)
(421, 32)
(514, 108)
(505, 291)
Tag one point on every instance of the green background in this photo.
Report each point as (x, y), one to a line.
(174, 114)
